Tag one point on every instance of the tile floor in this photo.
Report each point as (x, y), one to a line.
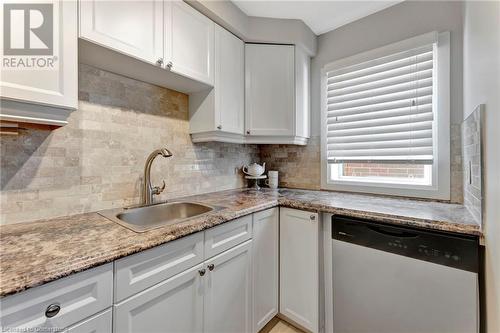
(279, 326)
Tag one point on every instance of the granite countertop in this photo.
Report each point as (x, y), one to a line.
(38, 252)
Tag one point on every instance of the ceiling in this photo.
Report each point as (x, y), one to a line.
(320, 16)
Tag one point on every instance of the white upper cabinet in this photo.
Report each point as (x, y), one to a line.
(269, 89)
(131, 27)
(276, 94)
(189, 42)
(218, 114)
(170, 35)
(229, 78)
(44, 92)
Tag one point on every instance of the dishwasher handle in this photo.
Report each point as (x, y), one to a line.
(398, 233)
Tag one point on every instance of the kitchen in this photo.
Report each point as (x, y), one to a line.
(250, 166)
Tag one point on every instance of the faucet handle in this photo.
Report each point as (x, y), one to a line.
(157, 189)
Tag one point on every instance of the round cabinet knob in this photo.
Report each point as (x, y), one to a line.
(211, 267)
(159, 62)
(313, 217)
(248, 132)
(52, 310)
(219, 127)
(170, 65)
(202, 271)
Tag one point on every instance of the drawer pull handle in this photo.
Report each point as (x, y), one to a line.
(211, 267)
(313, 217)
(52, 310)
(202, 272)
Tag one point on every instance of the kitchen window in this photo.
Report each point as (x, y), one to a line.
(385, 120)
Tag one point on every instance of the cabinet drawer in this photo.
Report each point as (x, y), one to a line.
(100, 323)
(145, 269)
(226, 236)
(78, 296)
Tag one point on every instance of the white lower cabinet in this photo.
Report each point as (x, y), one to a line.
(211, 297)
(204, 282)
(57, 305)
(174, 305)
(228, 293)
(265, 267)
(299, 267)
(100, 323)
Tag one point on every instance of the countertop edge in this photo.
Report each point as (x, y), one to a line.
(222, 217)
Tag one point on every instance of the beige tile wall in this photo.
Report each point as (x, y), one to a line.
(96, 161)
(298, 166)
(473, 164)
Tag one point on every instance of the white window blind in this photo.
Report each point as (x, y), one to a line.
(382, 110)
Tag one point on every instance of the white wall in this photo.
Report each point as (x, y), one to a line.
(481, 74)
(258, 29)
(404, 20)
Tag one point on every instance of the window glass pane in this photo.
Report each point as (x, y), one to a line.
(388, 173)
(383, 170)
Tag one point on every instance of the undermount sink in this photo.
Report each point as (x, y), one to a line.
(140, 219)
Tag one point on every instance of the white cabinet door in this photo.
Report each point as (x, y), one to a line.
(131, 27)
(299, 267)
(229, 82)
(265, 266)
(269, 90)
(174, 305)
(189, 42)
(228, 295)
(100, 323)
(54, 80)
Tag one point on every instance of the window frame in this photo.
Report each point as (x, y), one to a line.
(440, 187)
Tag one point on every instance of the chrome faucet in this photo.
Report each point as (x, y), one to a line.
(147, 189)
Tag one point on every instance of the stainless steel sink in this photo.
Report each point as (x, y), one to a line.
(140, 219)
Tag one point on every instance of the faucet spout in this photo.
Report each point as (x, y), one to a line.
(147, 189)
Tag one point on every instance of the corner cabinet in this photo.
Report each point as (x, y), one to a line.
(48, 93)
(276, 94)
(299, 267)
(168, 35)
(218, 114)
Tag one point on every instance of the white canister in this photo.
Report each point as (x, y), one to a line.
(272, 180)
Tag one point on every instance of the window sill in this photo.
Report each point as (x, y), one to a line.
(404, 190)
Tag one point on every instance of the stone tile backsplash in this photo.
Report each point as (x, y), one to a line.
(96, 161)
(298, 166)
(472, 163)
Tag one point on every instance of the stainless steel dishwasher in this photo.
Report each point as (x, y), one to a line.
(391, 279)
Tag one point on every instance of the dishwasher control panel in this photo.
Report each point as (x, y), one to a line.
(453, 250)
